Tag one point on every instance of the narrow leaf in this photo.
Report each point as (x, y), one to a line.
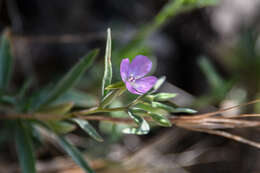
(88, 128)
(70, 79)
(184, 110)
(24, 88)
(152, 109)
(6, 62)
(60, 127)
(24, 147)
(79, 98)
(143, 126)
(107, 78)
(161, 120)
(164, 96)
(116, 85)
(111, 96)
(163, 106)
(172, 109)
(159, 83)
(75, 154)
(58, 109)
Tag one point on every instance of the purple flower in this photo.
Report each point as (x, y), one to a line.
(133, 74)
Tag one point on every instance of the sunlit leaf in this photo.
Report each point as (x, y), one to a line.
(164, 96)
(75, 154)
(24, 145)
(107, 78)
(159, 83)
(88, 128)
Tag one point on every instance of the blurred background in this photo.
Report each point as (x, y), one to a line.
(212, 53)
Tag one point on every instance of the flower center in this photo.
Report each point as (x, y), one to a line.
(131, 78)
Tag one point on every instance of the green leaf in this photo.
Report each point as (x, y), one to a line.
(60, 127)
(79, 98)
(107, 78)
(163, 106)
(172, 109)
(152, 109)
(161, 120)
(6, 62)
(111, 96)
(156, 86)
(116, 85)
(75, 154)
(71, 78)
(57, 109)
(212, 76)
(24, 145)
(184, 110)
(164, 96)
(88, 128)
(24, 88)
(159, 83)
(143, 126)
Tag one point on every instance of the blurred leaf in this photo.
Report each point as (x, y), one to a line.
(171, 9)
(7, 99)
(6, 62)
(24, 145)
(143, 126)
(79, 98)
(57, 109)
(107, 78)
(60, 127)
(75, 154)
(212, 76)
(160, 119)
(24, 88)
(116, 85)
(70, 79)
(88, 128)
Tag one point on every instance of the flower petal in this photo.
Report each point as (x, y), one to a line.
(144, 84)
(124, 67)
(139, 66)
(131, 89)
